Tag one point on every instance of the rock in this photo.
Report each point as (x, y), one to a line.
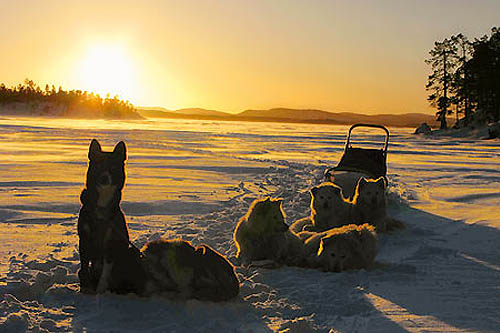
(423, 129)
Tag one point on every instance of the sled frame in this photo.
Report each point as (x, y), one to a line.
(369, 161)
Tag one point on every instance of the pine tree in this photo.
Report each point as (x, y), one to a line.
(460, 82)
(443, 59)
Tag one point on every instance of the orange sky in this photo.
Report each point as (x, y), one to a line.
(229, 55)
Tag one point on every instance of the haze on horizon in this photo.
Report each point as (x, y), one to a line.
(355, 56)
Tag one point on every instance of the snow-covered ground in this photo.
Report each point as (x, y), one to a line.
(195, 179)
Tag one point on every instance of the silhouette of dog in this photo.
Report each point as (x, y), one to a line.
(329, 209)
(369, 206)
(104, 245)
(178, 269)
(339, 249)
(263, 234)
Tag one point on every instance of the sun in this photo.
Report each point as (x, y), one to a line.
(109, 69)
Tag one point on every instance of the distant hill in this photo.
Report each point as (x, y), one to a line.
(155, 112)
(153, 108)
(159, 112)
(306, 114)
(203, 112)
(320, 116)
(295, 116)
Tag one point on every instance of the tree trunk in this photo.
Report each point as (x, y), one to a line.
(442, 118)
(444, 111)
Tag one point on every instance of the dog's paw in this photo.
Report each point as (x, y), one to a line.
(86, 285)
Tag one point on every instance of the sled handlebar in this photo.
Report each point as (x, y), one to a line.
(348, 142)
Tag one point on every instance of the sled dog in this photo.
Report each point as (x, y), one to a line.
(338, 249)
(329, 209)
(369, 205)
(102, 230)
(263, 234)
(177, 268)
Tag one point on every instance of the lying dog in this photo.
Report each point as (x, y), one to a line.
(328, 210)
(178, 269)
(339, 249)
(102, 230)
(263, 234)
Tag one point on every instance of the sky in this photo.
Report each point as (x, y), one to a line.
(342, 56)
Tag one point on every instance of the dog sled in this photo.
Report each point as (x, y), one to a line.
(359, 162)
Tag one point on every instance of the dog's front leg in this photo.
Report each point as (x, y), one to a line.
(107, 260)
(103, 284)
(84, 273)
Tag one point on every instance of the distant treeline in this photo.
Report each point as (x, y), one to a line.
(72, 102)
(465, 78)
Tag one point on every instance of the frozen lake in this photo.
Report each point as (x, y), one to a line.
(43, 164)
(194, 179)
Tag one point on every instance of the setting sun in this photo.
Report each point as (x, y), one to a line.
(108, 69)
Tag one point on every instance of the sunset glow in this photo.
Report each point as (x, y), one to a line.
(108, 69)
(340, 56)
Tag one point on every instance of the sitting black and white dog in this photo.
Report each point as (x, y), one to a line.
(109, 261)
(104, 246)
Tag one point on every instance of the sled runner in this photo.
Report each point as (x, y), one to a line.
(359, 162)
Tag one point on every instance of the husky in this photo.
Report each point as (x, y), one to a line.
(104, 243)
(369, 205)
(183, 271)
(348, 181)
(329, 209)
(339, 249)
(262, 234)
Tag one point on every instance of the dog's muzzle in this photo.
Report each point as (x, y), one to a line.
(104, 179)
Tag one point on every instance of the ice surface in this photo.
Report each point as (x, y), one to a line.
(195, 179)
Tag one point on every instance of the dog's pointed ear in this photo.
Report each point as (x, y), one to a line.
(120, 150)
(361, 182)
(94, 149)
(268, 202)
(381, 182)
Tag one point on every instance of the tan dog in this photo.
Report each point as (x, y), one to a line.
(369, 203)
(263, 234)
(177, 268)
(339, 249)
(329, 209)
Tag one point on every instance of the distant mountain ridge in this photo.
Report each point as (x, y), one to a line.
(295, 116)
(199, 111)
(311, 114)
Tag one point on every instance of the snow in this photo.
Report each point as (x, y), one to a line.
(195, 179)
